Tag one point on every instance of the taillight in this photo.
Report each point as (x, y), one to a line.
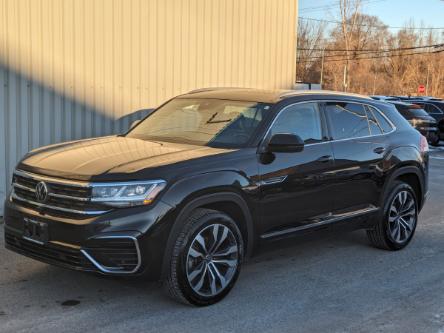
(423, 145)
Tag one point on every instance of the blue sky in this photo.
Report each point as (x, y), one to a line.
(430, 13)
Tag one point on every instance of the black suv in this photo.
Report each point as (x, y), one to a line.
(435, 108)
(419, 119)
(188, 193)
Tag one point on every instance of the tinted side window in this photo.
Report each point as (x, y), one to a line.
(373, 123)
(382, 122)
(347, 120)
(430, 108)
(300, 119)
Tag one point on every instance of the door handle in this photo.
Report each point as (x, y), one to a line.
(379, 150)
(324, 159)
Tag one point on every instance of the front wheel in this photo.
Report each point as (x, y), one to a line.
(398, 224)
(206, 259)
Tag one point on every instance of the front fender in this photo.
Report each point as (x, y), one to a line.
(205, 189)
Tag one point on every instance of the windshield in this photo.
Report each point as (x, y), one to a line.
(206, 122)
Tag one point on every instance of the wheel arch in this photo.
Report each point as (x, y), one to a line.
(231, 203)
(411, 175)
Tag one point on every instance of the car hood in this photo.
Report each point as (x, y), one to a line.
(112, 158)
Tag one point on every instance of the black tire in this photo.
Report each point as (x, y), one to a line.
(434, 140)
(177, 284)
(380, 236)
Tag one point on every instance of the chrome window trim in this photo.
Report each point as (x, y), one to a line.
(385, 117)
(115, 270)
(334, 140)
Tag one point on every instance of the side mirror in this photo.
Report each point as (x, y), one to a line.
(134, 124)
(285, 143)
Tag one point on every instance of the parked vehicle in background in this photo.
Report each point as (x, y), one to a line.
(435, 108)
(420, 120)
(384, 98)
(421, 98)
(209, 176)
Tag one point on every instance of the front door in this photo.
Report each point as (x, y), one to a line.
(295, 186)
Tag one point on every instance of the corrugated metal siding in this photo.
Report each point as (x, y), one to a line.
(71, 69)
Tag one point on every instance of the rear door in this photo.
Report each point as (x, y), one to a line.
(359, 146)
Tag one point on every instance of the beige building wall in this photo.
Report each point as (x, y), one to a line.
(71, 69)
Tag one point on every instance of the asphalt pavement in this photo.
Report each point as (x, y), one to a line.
(331, 283)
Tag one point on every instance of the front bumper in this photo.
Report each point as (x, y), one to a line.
(128, 241)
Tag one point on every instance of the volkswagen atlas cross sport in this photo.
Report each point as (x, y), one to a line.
(188, 193)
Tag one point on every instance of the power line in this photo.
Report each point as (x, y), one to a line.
(369, 25)
(371, 50)
(373, 57)
(325, 7)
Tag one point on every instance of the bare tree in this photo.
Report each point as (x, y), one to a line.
(363, 56)
(310, 37)
(349, 11)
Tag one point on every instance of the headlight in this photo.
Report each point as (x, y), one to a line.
(127, 194)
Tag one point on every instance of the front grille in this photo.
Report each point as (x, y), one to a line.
(68, 199)
(114, 254)
(64, 256)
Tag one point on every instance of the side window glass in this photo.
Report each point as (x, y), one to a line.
(373, 123)
(430, 108)
(300, 119)
(347, 120)
(383, 123)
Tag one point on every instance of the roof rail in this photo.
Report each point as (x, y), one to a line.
(323, 92)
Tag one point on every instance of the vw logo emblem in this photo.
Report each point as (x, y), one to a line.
(41, 192)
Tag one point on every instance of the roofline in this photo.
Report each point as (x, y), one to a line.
(213, 88)
(294, 93)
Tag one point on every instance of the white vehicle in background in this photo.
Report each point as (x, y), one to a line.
(307, 86)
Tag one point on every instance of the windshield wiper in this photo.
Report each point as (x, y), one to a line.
(219, 121)
(210, 121)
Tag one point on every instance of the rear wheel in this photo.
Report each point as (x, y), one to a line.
(206, 259)
(398, 223)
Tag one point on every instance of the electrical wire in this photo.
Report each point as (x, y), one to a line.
(325, 7)
(310, 59)
(369, 25)
(372, 50)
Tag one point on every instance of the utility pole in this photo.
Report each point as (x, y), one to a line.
(322, 67)
(345, 77)
(428, 72)
(374, 76)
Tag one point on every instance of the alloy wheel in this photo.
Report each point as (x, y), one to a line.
(402, 216)
(212, 260)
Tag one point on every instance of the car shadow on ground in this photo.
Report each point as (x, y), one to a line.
(70, 288)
